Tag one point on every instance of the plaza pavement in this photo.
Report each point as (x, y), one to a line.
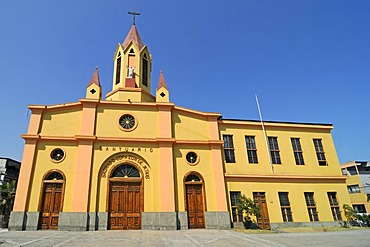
(182, 238)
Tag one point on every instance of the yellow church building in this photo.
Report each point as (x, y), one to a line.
(137, 161)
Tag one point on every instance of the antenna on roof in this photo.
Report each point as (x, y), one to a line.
(134, 14)
(265, 135)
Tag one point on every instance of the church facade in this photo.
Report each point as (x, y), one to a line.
(137, 161)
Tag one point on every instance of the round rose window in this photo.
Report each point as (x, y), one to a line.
(192, 158)
(57, 155)
(127, 122)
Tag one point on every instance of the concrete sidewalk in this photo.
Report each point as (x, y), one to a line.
(181, 238)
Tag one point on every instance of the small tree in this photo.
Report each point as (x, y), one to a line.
(7, 199)
(350, 214)
(249, 209)
(365, 218)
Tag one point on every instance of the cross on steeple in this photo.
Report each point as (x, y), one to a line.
(134, 15)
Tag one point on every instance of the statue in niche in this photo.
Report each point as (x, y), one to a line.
(130, 71)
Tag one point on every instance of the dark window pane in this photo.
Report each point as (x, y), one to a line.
(234, 197)
(359, 208)
(145, 71)
(320, 152)
(285, 207)
(274, 150)
(234, 210)
(251, 149)
(311, 206)
(229, 149)
(118, 70)
(283, 197)
(297, 150)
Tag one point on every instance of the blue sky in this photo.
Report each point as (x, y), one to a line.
(308, 61)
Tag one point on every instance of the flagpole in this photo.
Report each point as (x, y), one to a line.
(264, 134)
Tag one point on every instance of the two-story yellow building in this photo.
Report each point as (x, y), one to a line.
(137, 161)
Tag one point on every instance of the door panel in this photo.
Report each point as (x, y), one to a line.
(263, 221)
(190, 206)
(116, 206)
(195, 206)
(125, 205)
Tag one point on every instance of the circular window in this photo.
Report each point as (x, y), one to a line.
(57, 155)
(192, 158)
(127, 122)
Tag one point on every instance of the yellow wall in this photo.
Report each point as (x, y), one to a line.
(108, 117)
(54, 121)
(189, 126)
(43, 165)
(204, 167)
(296, 197)
(130, 95)
(126, 95)
(283, 134)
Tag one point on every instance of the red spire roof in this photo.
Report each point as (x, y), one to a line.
(133, 35)
(161, 81)
(95, 78)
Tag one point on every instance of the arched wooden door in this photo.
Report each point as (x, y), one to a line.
(125, 198)
(52, 200)
(195, 205)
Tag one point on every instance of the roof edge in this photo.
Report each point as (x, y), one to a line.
(284, 122)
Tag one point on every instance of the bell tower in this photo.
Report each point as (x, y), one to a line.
(132, 67)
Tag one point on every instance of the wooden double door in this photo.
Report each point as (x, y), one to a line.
(51, 205)
(125, 205)
(260, 200)
(195, 205)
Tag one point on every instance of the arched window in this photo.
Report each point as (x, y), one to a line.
(118, 68)
(132, 51)
(145, 70)
(54, 176)
(193, 178)
(125, 171)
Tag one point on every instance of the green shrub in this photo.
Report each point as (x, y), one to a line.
(249, 209)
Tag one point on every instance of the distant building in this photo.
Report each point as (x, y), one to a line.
(137, 161)
(9, 169)
(358, 184)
